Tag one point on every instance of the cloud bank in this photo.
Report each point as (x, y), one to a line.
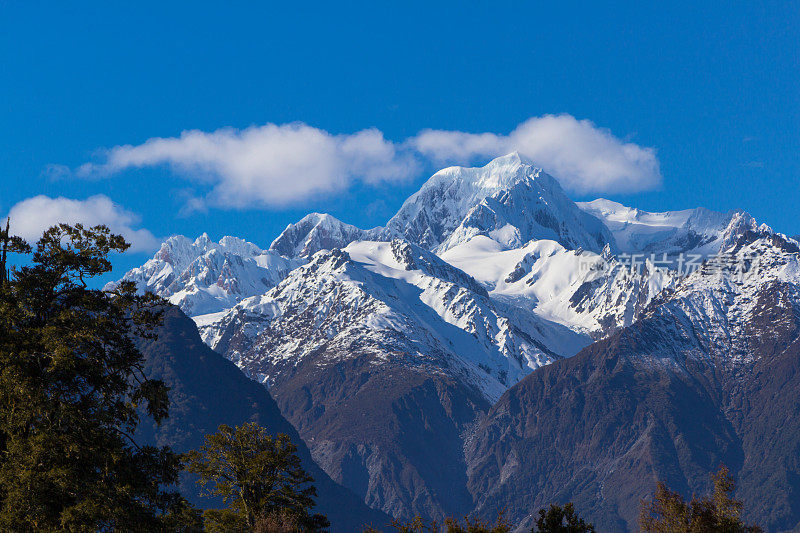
(279, 165)
(584, 158)
(31, 217)
(271, 165)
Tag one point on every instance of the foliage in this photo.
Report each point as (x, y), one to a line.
(72, 390)
(222, 520)
(259, 476)
(183, 518)
(558, 519)
(451, 525)
(280, 522)
(667, 512)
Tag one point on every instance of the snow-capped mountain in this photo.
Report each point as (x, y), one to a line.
(508, 225)
(542, 264)
(708, 375)
(690, 231)
(582, 324)
(378, 350)
(315, 232)
(202, 276)
(400, 300)
(509, 200)
(376, 343)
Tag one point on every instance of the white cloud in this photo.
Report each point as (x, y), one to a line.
(278, 165)
(271, 165)
(31, 217)
(584, 158)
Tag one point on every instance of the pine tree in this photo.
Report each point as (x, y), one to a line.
(559, 519)
(668, 512)
(259, 476)
(72, 392)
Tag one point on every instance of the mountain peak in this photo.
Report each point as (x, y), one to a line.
(508, 199)
(317, 218)
(499, 173)
(203, 240)
(203, 276)
(315, 232)
(431, 214)
(512, 160)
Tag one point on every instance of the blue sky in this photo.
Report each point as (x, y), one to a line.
(710, 91)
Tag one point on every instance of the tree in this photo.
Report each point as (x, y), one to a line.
(259, 476)
(558, 519)
(667, 512)
(415, 525)
(72, 391)
(451, 525)
(9, 244)
(477, 525)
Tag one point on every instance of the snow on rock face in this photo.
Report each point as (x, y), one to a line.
(585, 291)
(398, 257)
(397, 301)
(533, 208)
(727, 314)
(695, 231)
(508, 199)
(315, 232)
(202, 276)
(428, 216)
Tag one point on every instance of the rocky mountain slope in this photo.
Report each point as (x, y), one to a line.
(708, 375)
(374, 351)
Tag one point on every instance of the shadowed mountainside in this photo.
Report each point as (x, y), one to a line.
(207, 390)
